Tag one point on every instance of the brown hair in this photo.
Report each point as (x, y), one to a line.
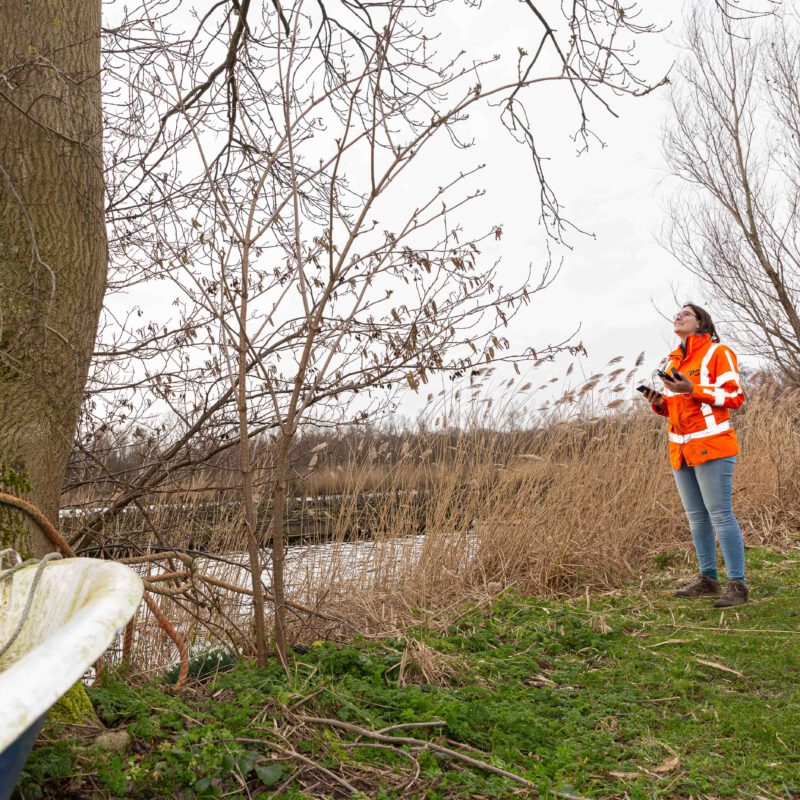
(706, 323)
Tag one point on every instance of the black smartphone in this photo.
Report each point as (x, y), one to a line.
(658, 398)
(663, 375)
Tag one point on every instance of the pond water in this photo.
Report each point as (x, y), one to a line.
(328, 568)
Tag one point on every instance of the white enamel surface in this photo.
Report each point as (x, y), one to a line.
(79, 606)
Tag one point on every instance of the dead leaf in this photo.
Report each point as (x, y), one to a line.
(669, 765)
(717, 665)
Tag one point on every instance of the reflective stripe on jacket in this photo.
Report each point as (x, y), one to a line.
(699, 423)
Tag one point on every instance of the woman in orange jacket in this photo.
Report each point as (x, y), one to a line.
(701, 383)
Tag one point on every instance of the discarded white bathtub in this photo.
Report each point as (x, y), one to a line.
(60, 624)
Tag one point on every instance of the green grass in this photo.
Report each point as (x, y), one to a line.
(625, 693)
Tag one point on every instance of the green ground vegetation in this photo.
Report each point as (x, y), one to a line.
(628, 694)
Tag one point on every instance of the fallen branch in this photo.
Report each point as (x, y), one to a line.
(292, 753)
(437, 723)
(391, 749)
(426, 745)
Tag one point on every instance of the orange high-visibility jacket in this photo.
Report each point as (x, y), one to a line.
(700, 423)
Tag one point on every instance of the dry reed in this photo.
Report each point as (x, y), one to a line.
(450, 517)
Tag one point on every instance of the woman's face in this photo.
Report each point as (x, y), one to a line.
(686, 323)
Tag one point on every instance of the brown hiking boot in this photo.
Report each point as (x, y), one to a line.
(702, 586)
(736, 594)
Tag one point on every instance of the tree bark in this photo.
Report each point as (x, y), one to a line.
(53, 248)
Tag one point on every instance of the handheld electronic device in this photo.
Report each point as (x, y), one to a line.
(642, 388)
(664, 376)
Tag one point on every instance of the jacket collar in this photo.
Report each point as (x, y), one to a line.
(693, 343)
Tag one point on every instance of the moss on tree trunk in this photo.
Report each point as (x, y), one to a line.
(74, 708)
(14, 531)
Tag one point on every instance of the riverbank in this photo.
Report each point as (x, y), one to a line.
(628, 693)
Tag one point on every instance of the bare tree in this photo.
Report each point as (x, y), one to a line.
(53, 252)
(146, 362)
(303, 301)
(734, 141)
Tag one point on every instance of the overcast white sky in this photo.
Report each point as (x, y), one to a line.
(614, 283)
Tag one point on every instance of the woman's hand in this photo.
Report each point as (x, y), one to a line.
(652, 396)
(679, 383)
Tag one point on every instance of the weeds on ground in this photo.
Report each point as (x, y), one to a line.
(627, 694)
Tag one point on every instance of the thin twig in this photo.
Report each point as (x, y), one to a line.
(268, 596)
(304, 700)
(722, 630)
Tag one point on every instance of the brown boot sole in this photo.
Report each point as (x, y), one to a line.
(725, 603)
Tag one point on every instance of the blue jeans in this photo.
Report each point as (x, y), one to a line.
(705, 491)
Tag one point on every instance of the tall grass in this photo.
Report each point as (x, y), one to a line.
(577, 502)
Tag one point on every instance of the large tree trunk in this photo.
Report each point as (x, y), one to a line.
(53, 249)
